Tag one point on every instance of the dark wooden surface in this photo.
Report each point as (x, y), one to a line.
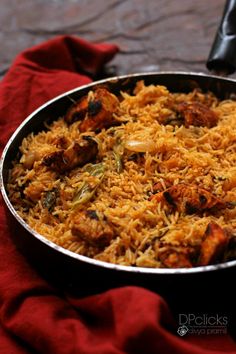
(152, 34)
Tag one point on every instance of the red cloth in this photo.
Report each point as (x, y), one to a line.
(34, 316)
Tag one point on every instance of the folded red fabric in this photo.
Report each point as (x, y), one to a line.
(34, 316)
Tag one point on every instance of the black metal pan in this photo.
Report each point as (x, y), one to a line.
(76, 272)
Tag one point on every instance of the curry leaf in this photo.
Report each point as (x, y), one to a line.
(86, 192)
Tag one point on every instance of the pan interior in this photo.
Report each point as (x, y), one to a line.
(175, 82)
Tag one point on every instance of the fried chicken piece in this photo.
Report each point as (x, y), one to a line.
(197, 114)
(34, 190)
(189, 198)
(100, 111)
(77, 111)
(175, 257)
(230, 252)
(75, 155)
(95, 111)
(214, 244)
(91, 228)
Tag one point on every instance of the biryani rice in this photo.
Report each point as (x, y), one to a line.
(152, 152)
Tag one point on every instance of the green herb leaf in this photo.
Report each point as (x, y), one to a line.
(118, 161)
(49, 199)
(85, 192)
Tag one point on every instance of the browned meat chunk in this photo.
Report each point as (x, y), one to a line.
(100, 111)
(172, 257)
(77, 111)
(95, 111)
(189, 198)
(92, 228)
(34, 190)
(76, 155)
(214, 244)
(197, 114)
(230, 253)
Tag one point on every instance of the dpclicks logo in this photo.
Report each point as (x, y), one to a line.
(202, 324)
(182, 330)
